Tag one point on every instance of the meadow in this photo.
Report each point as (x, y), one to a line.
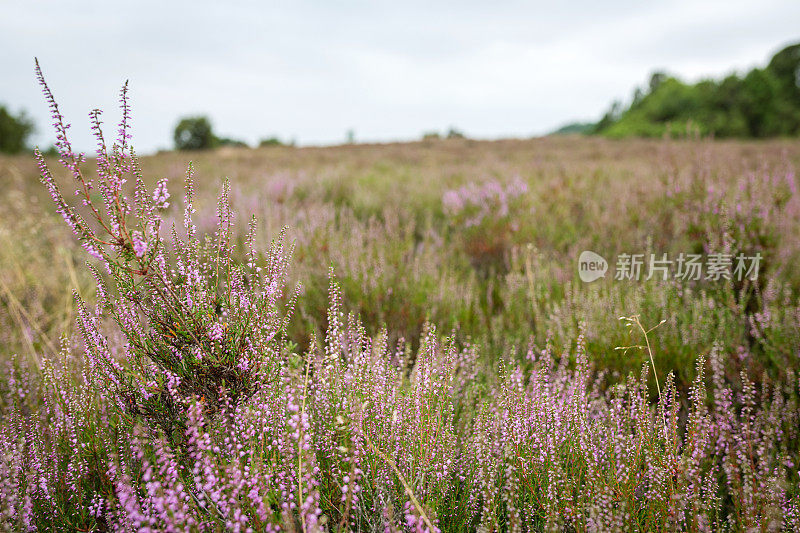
(415, 351)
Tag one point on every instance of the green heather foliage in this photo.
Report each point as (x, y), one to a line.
(421, 357)
(763, 103)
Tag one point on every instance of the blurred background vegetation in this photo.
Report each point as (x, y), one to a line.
(382, 216)
(765, 102)
(14, 131)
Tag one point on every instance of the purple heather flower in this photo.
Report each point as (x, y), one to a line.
(139, 244)
(161, 194)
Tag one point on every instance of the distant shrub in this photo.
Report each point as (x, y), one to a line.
(14, 131)
(453, 133)
(270, 141)
(575, 128)
(194, 133)
(235, 143)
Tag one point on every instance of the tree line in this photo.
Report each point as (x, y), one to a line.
(765, 102)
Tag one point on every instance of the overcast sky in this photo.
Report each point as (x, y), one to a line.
(311, 70)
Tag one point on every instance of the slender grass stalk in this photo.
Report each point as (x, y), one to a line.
(634, 320)
(406, 486)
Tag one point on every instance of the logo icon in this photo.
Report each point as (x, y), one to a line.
(591, 266)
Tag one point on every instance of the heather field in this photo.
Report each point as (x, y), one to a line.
(400, 339)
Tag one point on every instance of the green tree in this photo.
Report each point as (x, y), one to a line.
(14, 131)
(759, 94)
(611, 116)
(194, 133)
(785, 66)
(656, 79)
(454, 133)
(763, 103)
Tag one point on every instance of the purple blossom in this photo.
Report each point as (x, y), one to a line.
(139, 244)
(161, 194)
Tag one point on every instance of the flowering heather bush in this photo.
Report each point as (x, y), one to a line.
(195, 323)
(196, 413)
(754, 213)
(487, 216)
